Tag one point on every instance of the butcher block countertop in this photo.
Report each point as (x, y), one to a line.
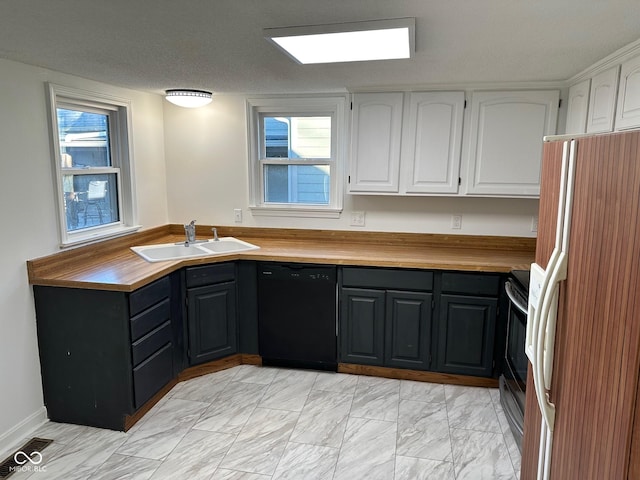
(111, 265)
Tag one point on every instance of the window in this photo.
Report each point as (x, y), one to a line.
(92, 163)
(296, 155)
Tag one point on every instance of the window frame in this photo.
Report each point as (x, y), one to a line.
(119, 124)
(286, 106)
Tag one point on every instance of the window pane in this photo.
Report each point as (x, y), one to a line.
(90, 200)
(297, 184)
(297, 137)
(84, 138)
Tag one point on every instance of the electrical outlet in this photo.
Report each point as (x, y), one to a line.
(534, 223)
(357, 219)
(237, 215)
(456, 222)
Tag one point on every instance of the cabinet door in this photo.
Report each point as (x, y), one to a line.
(432, 142)
(628, 113)
(602, 101)
(375, 142)
(362, 326)
(466, 334)
(504, 147)
(408, 329)
(578, 107)
(212, 322)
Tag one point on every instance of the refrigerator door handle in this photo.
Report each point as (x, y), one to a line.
(545, 339)
(539, 284)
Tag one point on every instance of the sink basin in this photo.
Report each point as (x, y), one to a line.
(171, 251)
(228, 245)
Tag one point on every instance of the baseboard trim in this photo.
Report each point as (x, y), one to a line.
(131, 420)
(20, 432)
(417, 375)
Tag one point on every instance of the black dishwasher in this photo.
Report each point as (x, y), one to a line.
(297, 315)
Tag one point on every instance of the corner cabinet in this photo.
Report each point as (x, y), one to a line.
(104, 354)
(375, 142)
(211, 312)
(504, 144)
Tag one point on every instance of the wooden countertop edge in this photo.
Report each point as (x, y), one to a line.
(84, 267)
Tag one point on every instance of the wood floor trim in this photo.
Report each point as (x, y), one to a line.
(417, 375)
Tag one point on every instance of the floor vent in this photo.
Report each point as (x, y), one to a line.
(24, 457)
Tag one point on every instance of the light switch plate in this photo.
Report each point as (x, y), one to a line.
(237, 215)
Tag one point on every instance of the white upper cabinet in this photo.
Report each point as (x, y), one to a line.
(503, 149)
(602, 101)
(432, 138)
(578, 107)
(375, 142)
(628, 113)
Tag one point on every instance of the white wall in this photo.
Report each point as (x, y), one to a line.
(206, 152)
(29, 220)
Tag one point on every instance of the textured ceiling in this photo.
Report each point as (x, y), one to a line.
(218, 45)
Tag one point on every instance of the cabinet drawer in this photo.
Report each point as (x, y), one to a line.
(152, 374)
(151, 342)
(148, 295)
(471, 283)
(150, 319)
(208, 274)
(387, 278)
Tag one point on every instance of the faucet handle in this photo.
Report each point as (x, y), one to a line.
(215, 234)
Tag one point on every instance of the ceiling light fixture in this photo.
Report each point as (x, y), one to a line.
(347, 42)
(188, 98)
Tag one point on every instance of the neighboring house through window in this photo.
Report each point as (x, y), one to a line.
(93, 165)
(296, 155)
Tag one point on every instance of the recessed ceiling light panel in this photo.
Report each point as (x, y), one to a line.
(347, 42)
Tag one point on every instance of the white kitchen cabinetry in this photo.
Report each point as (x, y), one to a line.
(375, 143)
(432, 139)
(578, 107)
(409, 147)
(602, 101)
(628, 112)
(503, 147)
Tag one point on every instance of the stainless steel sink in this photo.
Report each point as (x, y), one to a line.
(172, 251)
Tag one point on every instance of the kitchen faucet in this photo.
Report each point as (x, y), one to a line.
(190, 232)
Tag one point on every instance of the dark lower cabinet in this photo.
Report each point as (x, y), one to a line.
(408, 329)
(386, 328)
(362, 320)
(211, 311)
(212, 322)
(421, 320)
(466, 334)
(103, 354)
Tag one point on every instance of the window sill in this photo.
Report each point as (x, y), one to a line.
(97, 236)
(295, 211)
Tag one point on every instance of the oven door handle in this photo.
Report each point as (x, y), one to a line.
(520, 306)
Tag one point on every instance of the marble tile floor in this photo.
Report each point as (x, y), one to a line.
(261, 423)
